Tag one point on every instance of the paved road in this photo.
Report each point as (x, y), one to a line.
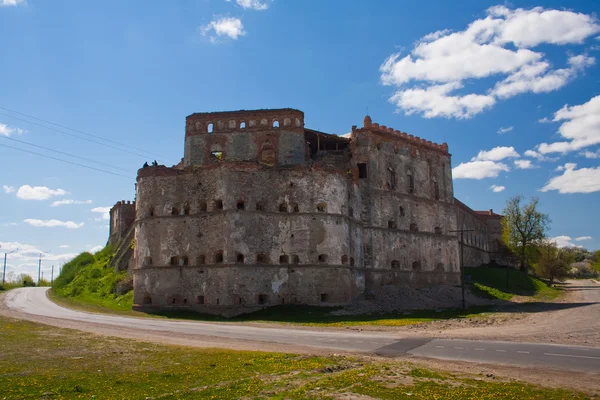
(34, 301)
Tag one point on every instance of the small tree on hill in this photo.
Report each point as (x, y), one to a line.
(523, 227)
(553, 262)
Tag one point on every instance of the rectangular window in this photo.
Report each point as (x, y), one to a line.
(362, 170)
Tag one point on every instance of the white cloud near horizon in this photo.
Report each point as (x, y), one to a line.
(69, 202)
(223, 26)
(27, 192)
(479, 170)
(564, 241)
(505, 130)
(580, 127)
(572, 180)
(102, 210)
(7, 131)
(431, 79)
(53, 223)
(581, 238)
(497, 189)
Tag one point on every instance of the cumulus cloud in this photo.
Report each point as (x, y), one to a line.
(53, 223)
(27, 192)
(505, 130)
(524, 164)
(64, 202)
(430, 79)
(102, 210)
(580, 238)
(11, 3)
(6, 130)
(25, 257)
(497, 189)
(223, 26)
(252, 4)
(496, 154)
(563, 241)
(8, 189)
(591, 154)
(64, 246)
(479, 170)
(538, 156)
(96, 248)
(572, 180)
(580, 127)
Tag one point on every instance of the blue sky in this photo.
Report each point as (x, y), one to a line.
(511, 87)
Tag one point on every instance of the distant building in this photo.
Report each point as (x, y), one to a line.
(263, 211)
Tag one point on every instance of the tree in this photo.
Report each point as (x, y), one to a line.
(523, 227)
(596, 257)
(553, 262)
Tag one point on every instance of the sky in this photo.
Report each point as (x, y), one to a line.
(91, 90)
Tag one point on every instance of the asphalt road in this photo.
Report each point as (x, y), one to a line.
(34, 301)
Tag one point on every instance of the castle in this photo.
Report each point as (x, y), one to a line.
(263, 211)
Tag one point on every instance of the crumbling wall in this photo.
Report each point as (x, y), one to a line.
(476, 242)
(122, 215)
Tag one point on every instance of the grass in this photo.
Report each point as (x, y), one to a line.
(492, 283)
(42, 362)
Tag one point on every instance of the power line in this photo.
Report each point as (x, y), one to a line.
(65, 161)
(66, 154)
(80, 131)
(77, 136)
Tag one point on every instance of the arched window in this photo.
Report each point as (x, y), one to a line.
(239, 258)
(219, 257)
(392, 224)
(322, 258)
(174, 260)
(186, 209)
(242, 125)
(416, 265)
(438, 230)
(275, 124)
(283, 207)
(411, 183)
(352, 261)
(147, 300)
(395, 264)
(295, 259)
(210, 127)
(184, 260)
(401, 211)
(284, 259)
(436, 190)
(174, 211)
(151, 211)
(241, 205)
(294, 207)
(218, 204)
(322, 207)
(439, 267)
(391, 178)
(261, 258)
(344, 259)
(260, 206)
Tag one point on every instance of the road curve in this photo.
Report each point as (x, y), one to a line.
(35, 303)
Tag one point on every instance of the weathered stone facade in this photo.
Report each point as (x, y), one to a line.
(263, 211)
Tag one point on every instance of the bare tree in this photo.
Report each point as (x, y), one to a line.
(524, 226)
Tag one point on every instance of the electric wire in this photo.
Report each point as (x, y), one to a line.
(66, 161)
(80, 131)
(66, 154)
(79, 137)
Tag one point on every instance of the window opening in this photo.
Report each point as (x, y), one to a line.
(322, 207)
(241, 205)
(201, 259)
(322, 258)
(411, 184)
(391, 178)
(210, 128)
(362, 170)
(202, 206)
(295, 259)
(324, 297)
(284, 259)
(218, 204)
(217, 154)
(275, 124)
(219, 257)
(147, 300)
(240, 258)
(416, 266)
(392, 224)
(261, 259)
(344, 259)
(262, 299)
(395, 264)
(283, 207)
(260, 206)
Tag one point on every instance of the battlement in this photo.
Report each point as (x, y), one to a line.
(415, 140)
(245, 120)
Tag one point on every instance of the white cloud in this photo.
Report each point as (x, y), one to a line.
(544, 120)
(563, 241)
(69, 202)
(9, 224)
(253, 4)
(96, 248)
(25, 258)
(580, 238)
(497, 189)
(495, 46)
(496, 154)
(584, 180)
(581, 127)
(538, 156)
(479, 170)
(223, 26)
(505, 130)
(64, 246)
(102, 210)
(27, 192)
(591, 154)
(52, 223)
(8, 189)
(524, 164)
(9, 3)
(6, 130)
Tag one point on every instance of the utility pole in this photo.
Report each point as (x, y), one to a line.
(52, 277)
(462, 266)
(4, 270)
(40, 266)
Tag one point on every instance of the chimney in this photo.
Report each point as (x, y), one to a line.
(491, 212)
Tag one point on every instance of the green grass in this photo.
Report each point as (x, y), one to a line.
(492, 283)
(42, 362)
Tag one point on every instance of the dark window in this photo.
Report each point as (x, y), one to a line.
(416, 266)
(147, 260)
(395, 264)
(218, 204)
(185, 260)
(438, 230)
(344, 259)
(362, 170)
(284, 259)
(411, 184)
(201, 259)
(439, 267)
(174, 300)
(351, 211)
(436, 190)
(324, 297)
(391, 178)
(352, 261)
(200, 299)
(261, 259)
(241, 205)
(392, 224)
(260, 206)
(322, 207)
(240, 258)
(147, 300)
(295, 259)
(295, 208)
(401, 211)
(174, 211)
(217, 301)
(186, 209)
(414, 227)
(283, 207)
(322, 258)
(184, 301)
(174, 260)
(151, 212)
(202, 206)
(218, 257)
(262, 299)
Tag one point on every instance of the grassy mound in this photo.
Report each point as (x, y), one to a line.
(89, 279)
(494, 283)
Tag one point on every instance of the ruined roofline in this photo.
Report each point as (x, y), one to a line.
(328, 136)
(468, 209)
(368, 125)
(240, 112)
